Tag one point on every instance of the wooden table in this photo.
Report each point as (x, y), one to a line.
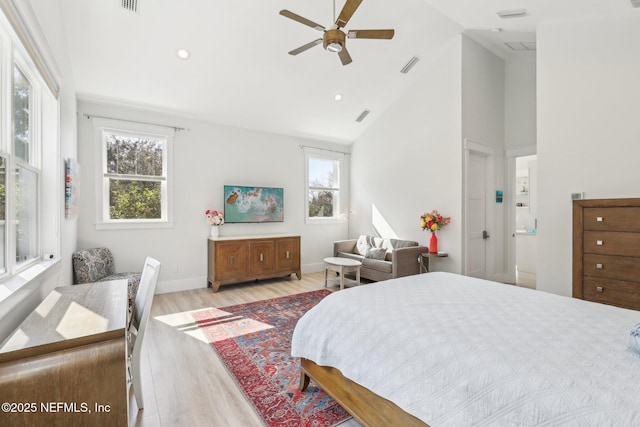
(342, 266)
(65, 365)
(426, 256)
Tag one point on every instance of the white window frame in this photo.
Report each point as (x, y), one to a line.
(11, 56)
(108, 126)
(337, 207)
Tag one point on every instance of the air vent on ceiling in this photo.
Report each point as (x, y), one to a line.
(409, 65)
(521, 46)
(130, 5)
(362, 116)
(515, 13)
(635, 3)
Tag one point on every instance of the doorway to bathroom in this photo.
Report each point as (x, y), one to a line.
(525, 220)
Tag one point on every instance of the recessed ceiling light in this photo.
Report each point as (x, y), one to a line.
(183, 53)
(515, 13)
(337, 96)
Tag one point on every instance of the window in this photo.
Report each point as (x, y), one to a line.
(20, 165)
(323, 188)
(25, 182)
(134, 177)
(30, 173)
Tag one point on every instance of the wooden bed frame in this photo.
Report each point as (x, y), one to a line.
(366, 407)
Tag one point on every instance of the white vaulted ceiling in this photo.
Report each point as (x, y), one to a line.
(240, 73)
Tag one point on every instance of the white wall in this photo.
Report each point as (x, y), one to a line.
(520, 103)
(206, 157)
(409, 161)
(588, 129)
(483, 123)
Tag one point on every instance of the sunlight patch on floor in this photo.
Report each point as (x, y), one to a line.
(216, 325)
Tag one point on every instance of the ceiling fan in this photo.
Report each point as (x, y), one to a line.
(334, 39)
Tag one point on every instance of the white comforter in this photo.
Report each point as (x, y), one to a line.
(458, 351)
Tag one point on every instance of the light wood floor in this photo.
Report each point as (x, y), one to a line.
(184, 382)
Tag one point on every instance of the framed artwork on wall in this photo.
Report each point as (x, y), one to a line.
(244, 204)
(71, 188)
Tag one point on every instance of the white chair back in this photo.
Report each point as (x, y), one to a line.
(145, 293)
(139, 319)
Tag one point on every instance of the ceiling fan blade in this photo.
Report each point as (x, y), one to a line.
(371, 34)
(301, 20)
(305, 47)
(344, 56)
(347, 12)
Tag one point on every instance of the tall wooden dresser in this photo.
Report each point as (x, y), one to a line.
(606, 251)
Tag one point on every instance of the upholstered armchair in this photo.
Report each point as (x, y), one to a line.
(96, 265)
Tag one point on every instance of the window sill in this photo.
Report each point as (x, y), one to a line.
(132, 225)
(325, 221)
(16, 282)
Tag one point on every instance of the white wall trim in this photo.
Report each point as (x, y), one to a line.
(22, 19)
(188, 284)
(521, 152)
(470, 144)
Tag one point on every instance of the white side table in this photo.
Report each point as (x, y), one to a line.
(341, 266)
(424, 259)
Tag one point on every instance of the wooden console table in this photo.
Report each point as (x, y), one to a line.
(241, 259)
(65, 365)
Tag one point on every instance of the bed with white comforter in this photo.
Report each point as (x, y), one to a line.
(458, 351)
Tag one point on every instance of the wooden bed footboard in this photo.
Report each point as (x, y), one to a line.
(366, 407)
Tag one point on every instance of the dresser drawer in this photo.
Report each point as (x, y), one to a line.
(613, 292)
(612, 267)
(612, 243)
(612, 219)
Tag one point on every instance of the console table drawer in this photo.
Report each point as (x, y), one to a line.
(614, 292)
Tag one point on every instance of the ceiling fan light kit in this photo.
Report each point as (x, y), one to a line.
(334, 39)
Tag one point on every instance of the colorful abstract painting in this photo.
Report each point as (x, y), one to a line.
(253, 204)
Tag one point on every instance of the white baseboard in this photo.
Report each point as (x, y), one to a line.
(181, 285)
(312, 268)
(190, 283)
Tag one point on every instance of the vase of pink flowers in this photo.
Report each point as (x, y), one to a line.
(215, 220)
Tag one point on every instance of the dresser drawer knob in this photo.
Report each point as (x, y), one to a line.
(599, 219)
(599, 242)
(599, 289)
(599, 266)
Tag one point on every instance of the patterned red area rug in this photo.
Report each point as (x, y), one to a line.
(254, 342)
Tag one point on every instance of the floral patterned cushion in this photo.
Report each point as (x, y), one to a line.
(96, 265)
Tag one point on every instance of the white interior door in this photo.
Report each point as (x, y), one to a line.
(476, 215)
